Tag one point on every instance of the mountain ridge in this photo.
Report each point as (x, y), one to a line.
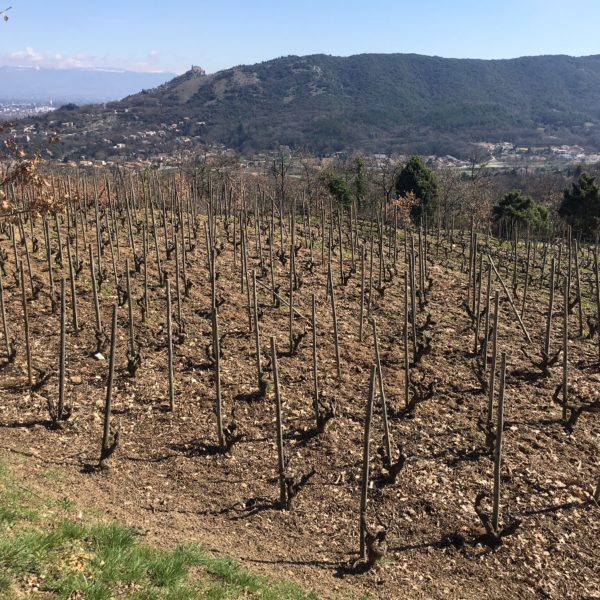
(371, 102)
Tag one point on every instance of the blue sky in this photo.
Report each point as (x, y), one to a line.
(172, 35)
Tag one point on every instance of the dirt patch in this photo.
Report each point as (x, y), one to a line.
(164, 481)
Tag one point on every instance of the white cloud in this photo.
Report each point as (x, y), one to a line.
(29, 55)
(31, 58)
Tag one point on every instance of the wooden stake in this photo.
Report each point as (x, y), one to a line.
(477, 292)
(335, 326)
(550, 309)
(597, 277)
(280, 454)
(314, 365)
(170, 347)
(510, 300)
(365, 466)
(259, 372)
(362, 294)
(109, 387)
(498, 447)
(26, 325)
(486, 333)
(386, 430)
(405, 340)
(217, 364)
(578, 290)
(7, 343)
(492, 381)
(73, 289)
(61, 354)
(565, 373)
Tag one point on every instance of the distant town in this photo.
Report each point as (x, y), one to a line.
(17, 110)
(137, 148)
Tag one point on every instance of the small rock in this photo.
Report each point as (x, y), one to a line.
(76, 379)
(99, 356)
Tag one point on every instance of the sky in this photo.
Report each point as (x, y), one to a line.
(216, 34)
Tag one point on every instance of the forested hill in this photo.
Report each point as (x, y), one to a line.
(372, 102)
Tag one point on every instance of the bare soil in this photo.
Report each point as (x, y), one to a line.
(165, 478)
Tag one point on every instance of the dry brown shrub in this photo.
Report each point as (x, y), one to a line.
(405, 205)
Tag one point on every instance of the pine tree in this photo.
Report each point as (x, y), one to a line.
(580, 206)
(415, 177)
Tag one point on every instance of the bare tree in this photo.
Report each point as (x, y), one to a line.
(383, 173)
(449, 186)
(478, 193)
(312, 183)
(280, 166)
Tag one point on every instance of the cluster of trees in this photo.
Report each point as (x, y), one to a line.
(535, 201)
(344, 191)
(515, 208)
(414, 178)
(579, 208)
(578, 205)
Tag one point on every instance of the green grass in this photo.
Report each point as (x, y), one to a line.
(43, 549)
(50, 475)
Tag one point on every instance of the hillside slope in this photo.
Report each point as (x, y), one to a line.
(373, 102)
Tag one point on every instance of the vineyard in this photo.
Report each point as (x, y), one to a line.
(330, 394)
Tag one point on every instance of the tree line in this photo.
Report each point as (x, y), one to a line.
(539, 202)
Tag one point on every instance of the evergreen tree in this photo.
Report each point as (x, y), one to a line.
(415, 177)
(360, 183)
(515, 208)
(580, 206)
(338, 188)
